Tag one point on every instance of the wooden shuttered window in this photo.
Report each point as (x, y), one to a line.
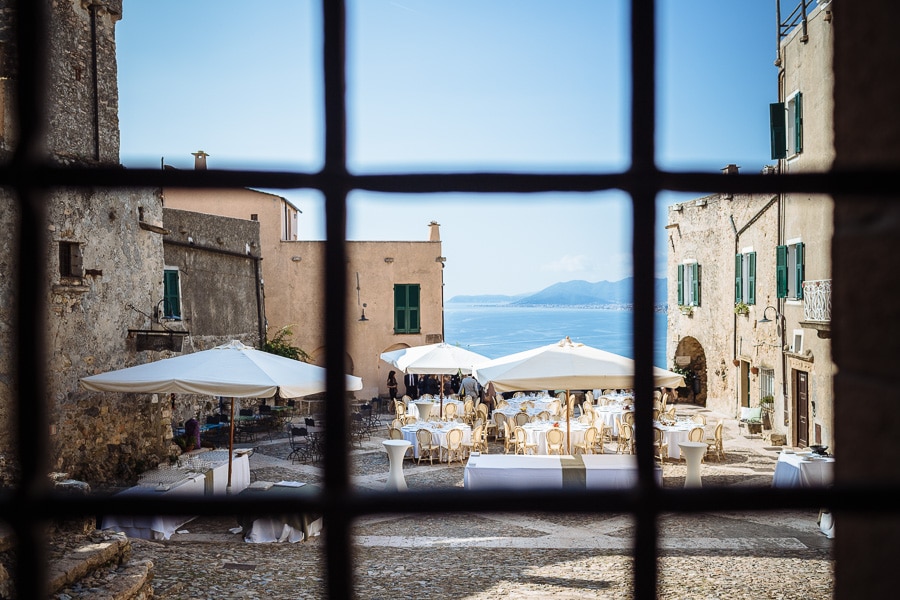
(751, 278)
(798, 123)
(789, 270)
(781, 281)
(695, 284)
(171, 294)
(745, 278)
(680, 285)
(777, 130)
(406, 308)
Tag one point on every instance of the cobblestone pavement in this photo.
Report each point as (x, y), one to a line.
(535, 555)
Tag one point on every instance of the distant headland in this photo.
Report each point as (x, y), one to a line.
(572, 294)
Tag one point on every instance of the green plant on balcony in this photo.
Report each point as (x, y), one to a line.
(741, 309)
(687, 310)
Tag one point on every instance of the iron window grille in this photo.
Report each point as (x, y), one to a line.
(29, 175)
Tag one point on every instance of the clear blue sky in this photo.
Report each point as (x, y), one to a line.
(452, 85)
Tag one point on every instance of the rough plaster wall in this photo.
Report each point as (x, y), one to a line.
(101, 435)
(705, 233)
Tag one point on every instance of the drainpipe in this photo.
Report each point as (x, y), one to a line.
(95, 74)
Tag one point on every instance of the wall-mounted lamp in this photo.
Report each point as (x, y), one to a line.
(388, 259)
(363, 317)
(765, 311)
(440, 259)
(296, 258)
(765, 319)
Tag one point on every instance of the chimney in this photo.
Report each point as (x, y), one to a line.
(435, 231)
(199, 160)
(730, 169)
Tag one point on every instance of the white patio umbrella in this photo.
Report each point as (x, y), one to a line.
(434, 359)
(234, 370)
(566, 365)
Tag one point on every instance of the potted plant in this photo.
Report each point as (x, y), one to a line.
(687, 311)
(767, 403)
(741, 309)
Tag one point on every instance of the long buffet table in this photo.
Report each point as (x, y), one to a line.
(803, 470)
(198, 474)
(582, 471)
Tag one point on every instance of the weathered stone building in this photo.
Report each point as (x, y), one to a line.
(106, 264)
(750, 291)
(388, 281)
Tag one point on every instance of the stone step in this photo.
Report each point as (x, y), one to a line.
(96, 565)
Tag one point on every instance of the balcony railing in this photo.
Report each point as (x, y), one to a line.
(817, 300)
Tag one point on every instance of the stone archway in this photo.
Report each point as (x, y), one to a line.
(692, 350)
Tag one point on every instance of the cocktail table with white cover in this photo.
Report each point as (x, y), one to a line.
(537, 433)
(438, 433)
(517, 472)
(803, 470)
(161, 482)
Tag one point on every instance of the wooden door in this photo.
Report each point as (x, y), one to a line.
(801, 408)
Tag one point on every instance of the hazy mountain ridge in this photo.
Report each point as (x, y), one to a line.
(572, 293)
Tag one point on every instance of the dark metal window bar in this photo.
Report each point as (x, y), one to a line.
(31, 504)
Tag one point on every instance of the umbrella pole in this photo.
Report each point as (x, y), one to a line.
(568, 428)
(230, 446)
(441, 414)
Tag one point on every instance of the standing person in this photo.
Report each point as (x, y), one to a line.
(468, 387)
(411, 381)
(392, 385)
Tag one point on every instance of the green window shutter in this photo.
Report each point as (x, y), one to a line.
(798, 122)
(695, 300)
(680, 285)
(406, 308)
(781, 280)
(413, 307)
(171, 295)
(738, 278)
(751, 278)
(400, 309)
(798, 270)
(778, 130)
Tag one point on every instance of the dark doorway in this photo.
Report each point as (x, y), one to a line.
(801, 408)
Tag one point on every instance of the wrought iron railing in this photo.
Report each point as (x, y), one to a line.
(817, 300)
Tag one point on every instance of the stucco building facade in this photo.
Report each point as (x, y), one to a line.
(395, 288)
(750, 275)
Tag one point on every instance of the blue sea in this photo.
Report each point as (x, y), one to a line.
(498, 330)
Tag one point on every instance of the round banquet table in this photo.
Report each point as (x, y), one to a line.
(537, 434)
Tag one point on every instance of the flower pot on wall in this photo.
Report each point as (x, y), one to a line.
(736, 362)
(754, 370)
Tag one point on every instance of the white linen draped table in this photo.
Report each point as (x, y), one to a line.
(158, 527)
(537, 433)
(293, 528)
(803, 470)
(510, 412)
(396, 449)
(585, 471)
(438, 433)
(674, 435)
(609, 413)
(413, 410)
(540, 402)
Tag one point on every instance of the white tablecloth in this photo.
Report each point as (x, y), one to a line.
(792, 470)
(608, 414)
(540, 402)
(438, 436)
(537, 434)
(150, 527)
(510, 472)
(673, 435)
